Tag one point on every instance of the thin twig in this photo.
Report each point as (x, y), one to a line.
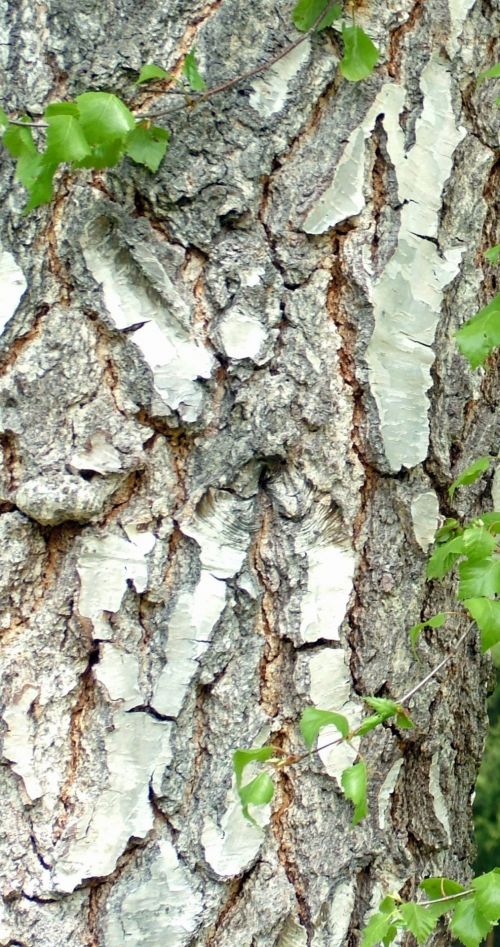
(303, 756)
(193, 98)
(405, 698)
(400, 700)
(17, 121)
(268, 64)
(449, 897)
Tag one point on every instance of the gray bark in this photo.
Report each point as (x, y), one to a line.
(231, 404)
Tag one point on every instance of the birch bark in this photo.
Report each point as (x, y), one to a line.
(230, 406)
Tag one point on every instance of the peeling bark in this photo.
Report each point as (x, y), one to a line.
(231, 404)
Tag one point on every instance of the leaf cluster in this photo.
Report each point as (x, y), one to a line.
(472, 912)
(360, 53)
(354, 779)
(474, 547)
(96, 130)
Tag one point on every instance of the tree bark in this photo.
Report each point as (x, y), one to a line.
(231, 405)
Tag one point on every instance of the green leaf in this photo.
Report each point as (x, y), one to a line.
(103, 117)
(418, 920)
(493, 254)
(241, 759)
(470, 474)
(354, 784)
(386, 708)
(360, 54)
(41, 190)
(105, 155)
(404, 721)
(61, 108)
(479, 578)
(491, 521)
(486, 614)
(191, 72)
(65, 139)
(29, 166)
(258, 792)
(478, 542)
(19, 141)
(436, 621)
(493, 73)
(147, 145)
(313, 719)
(387, 905)
(444, 557)
(389, 937)
(488, 894)
(377, 929)
(446, 531)
(468, 924)
(306, 12)
(481, 334)
(439, 887)
(4, 121)
(369, 724)
(150, 71)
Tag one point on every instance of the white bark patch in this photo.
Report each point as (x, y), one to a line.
(221, 528)
(270, 92)
(386, 790)
(242, 336)
(93, 842)
(100, 456)
(406, 306)
(344, 198)
(118, 672)
(345, 195)
(330, 690)
(175, 360)
(160, 911)
(459, 10)
(407, 297)
(232, 847)
(495, 489)
(13, 286)
(292, 935)
(104, 567)
(340, 910)
(425, 518)
(439, 802)
(329, 579)
(18, 740)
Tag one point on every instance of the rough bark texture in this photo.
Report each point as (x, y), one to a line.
(231, 403)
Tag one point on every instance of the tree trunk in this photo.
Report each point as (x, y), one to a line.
(231, 406)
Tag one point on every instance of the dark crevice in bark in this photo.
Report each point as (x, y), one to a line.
(38, 854)
(235, 891)
(59, 269)
(397, 38)
(284, 838)
(15, 348)
(360, 907)
(146, 709)
(277, 659)
(81, 708)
